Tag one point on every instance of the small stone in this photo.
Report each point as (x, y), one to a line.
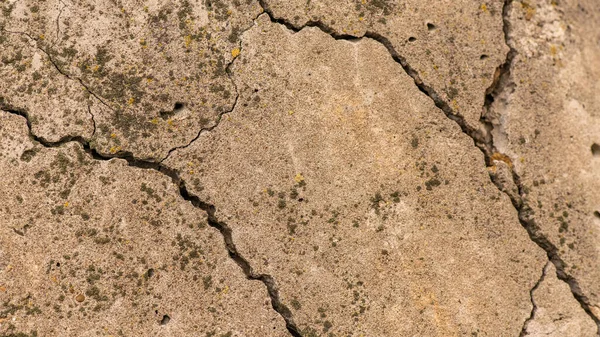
(80, 298)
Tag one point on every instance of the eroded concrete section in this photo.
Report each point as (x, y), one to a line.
(92, 247)
(547, 120)
(159, 67)
(454, 46)
(371, 209)
(557, 313)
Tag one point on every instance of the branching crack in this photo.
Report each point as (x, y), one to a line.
(210, 210)
(482, 137)
(534, 306)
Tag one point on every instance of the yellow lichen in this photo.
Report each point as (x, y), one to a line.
(484, 8)
(502, 157)
(235, 52)
(131, 101)
(299, 178)
(154, 120)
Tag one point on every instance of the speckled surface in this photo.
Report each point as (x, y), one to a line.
(289, 168)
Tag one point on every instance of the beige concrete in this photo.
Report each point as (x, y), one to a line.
(548, 121)
(97, 248)
(373, 211)
(362, 207)
(455, 46)
(57, 106)
(142, 59)
(557, 313)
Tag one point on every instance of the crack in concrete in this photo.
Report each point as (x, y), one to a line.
(503, 82)
(482, 137)
(210, 210)
(534, 307)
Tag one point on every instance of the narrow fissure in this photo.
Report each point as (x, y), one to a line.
(534, 306)
(222, 227)
(482, 138)
(226, 231)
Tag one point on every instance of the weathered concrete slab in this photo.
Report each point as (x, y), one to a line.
(557, 313)
(370, 208)
(454, 46)
(548, 120)
(159, 67)
(92, 248)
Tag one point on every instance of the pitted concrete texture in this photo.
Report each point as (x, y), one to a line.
(99, 248)
(548, 120)
(338, 195)
(57, 106)
(347, 168)
(557, 313)
(454, 46)
(159, 67)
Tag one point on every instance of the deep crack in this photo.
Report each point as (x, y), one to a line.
(210, 210)
(482, 137)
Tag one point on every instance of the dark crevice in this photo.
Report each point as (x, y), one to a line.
(222, 227)
(482, 136)
(534, 306)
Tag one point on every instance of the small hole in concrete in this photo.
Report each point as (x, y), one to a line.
(301, 199)
(596, 149)
(412, 39)
(178, 106)
(165, 320)
(168, 114)
(58, 264)
(597, 214)
(150, 272)
(483, 57)
(431, 27)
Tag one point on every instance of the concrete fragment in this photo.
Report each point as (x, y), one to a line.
(370, 208)
(92, 247)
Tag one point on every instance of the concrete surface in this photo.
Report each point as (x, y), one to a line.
(305, 168)
(94, 247)
(557, 313)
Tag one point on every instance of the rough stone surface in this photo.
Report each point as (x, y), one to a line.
(159, 67)
(557, 313)
(455, 46)
(307, 168)
(548, 120)
(58, 107)
(93, 248)
(339, 195)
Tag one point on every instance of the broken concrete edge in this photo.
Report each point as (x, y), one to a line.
(482, 137)
(534, 307)
(210, 210)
